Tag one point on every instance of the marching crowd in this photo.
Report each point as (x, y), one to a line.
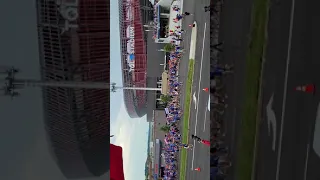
(172, 139)
(173, 142)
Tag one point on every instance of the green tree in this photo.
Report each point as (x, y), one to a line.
(165, 128)
(168, 47)
(165, 98)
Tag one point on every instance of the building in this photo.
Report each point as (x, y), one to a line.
(159, 120)
(156, 62)
(142, 64)
(163, 20)
(73, 45)
(133, 15)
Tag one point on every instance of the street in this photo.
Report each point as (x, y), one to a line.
(286, 147)
(199, 122)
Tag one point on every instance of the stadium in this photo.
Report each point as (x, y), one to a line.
(73, 46)
(132, 17)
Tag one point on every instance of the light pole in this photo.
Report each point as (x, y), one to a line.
(114, 88)
(11, 83)
(79, 84)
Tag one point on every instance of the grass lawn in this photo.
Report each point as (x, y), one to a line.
(255, 53)
(186, 115)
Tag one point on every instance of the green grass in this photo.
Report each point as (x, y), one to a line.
(255, 53)
(186, 115)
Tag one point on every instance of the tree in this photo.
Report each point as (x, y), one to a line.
(165, 98)
(168, 47)
(165, 128)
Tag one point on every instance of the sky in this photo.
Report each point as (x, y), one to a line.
(130, 134)
(24, 151)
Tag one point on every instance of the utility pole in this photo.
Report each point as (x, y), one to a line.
(11, 84)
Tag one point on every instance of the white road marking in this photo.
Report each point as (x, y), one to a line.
(285, 89)
(316, 134)
(194, 100)
(194, 147)
(306, 164)
(209, 104)
(205, 119)
(271, 117)
(195, 128)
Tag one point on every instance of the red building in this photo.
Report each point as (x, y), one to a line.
(73, 45)
(134, 56)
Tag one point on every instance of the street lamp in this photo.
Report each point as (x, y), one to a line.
(11, 83)
(114, 88)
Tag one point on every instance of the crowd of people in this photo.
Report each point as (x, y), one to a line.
(173, 142)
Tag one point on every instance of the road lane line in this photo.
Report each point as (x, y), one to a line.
(316, 133)
(205, 119)
(200, 76)
(195, 128)
(208, 106)
(285, 89)
(306, 164)
(194, 147)
(194, 100)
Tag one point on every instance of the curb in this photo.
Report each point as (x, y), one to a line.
(258, 118)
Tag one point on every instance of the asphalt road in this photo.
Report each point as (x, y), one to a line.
(292, 59)
(199, 116)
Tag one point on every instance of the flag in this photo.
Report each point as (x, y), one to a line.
(116, 163)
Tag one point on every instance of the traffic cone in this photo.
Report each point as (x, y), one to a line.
(205, 89)
(197, 169)
(309, 88)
